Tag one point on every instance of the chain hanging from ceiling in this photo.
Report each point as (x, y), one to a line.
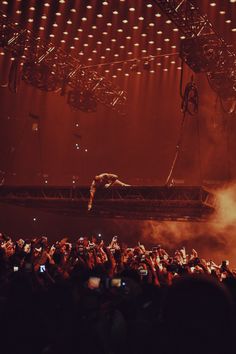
(49, 68)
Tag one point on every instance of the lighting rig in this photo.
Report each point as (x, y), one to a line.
(203, 50)
(49, 68)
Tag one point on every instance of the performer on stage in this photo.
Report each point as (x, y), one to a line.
(104, 180)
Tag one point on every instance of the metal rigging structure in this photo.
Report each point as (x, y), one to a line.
(203, 50)
(49, 68)
(140, 202)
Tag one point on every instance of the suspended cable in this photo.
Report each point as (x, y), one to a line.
(150, 57)
(189, 105)
(199, 151)
(177, 149)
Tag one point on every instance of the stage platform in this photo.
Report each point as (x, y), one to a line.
(140, 202)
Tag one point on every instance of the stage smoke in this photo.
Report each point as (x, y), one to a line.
(214, 239)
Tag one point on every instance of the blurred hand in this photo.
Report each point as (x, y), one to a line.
(194, 253)
(142, 248)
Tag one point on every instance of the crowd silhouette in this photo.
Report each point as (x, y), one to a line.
(89, 297)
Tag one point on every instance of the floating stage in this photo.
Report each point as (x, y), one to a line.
(140, 202)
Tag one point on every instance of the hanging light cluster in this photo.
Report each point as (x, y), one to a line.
(203, 49)
(49, 68)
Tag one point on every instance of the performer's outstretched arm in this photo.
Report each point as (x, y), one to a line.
(92, 192)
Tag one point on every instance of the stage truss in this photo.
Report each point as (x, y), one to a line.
(140, 203)
(203, 49)
(49, 68)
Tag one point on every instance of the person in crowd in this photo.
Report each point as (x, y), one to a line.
(90, 296)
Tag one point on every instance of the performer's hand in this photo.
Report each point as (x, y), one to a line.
(107, 185)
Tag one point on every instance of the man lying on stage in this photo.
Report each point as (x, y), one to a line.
(104, 180)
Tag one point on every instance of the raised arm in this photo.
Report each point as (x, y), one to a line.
(92, 192)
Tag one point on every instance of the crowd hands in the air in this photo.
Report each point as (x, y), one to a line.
(88, 297)
(60, 259)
